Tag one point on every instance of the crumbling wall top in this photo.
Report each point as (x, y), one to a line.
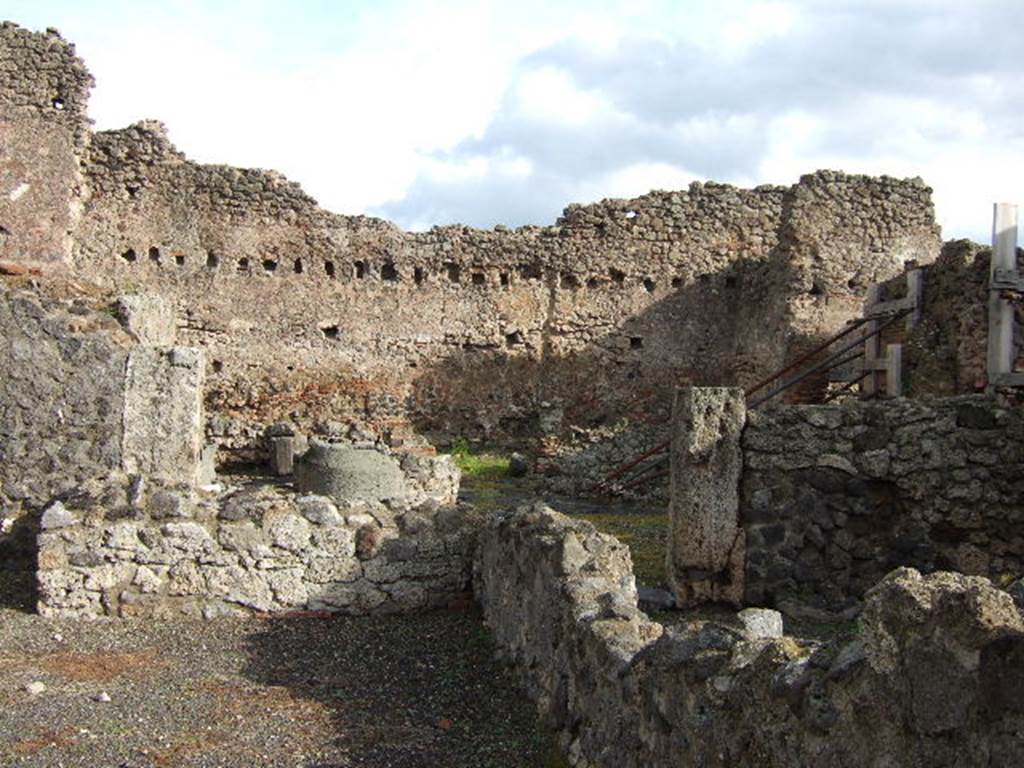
(42, 73)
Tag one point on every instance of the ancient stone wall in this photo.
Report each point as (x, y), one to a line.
(44, 89)
(932, 678)
(834, 497)
(80, 398)
(125, 547)
(945, 353)
(62, 394)
(469, 331)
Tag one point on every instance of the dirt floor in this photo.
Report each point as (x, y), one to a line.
(317, 692)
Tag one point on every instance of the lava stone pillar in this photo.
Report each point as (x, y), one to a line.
(706, 546)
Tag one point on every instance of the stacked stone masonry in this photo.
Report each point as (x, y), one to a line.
(125, 547)
(932, 677)
(834, 497)
(307, 315)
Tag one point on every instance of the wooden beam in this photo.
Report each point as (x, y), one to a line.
(894, 370)
(915, 292)
(1015, 379)
(870, 384)
(884, 308)
(1001, 351)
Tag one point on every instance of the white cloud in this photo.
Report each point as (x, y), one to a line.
(489, 111)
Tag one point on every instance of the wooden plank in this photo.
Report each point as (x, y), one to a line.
(894, 370)
(870, 384)
(884, 308)
(1008, 280)
(1015, 379)
(1001, 351)
(915, 292)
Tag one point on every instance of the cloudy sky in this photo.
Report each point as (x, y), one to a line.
(490, 111)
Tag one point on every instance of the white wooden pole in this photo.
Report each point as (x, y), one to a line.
(1000, 312)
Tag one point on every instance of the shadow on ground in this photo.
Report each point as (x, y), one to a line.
(18, 551)
(403, 691)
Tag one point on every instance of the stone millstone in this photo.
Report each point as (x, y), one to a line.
(346, 473)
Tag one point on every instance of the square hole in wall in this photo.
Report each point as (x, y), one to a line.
(479, 278)
(360, 269)
(129, 255)
(179, 259)
(636, 342)
(243, 264)
(530, 271)
(154, 255)
(388, 272)
(418, 275)
(454, 272)
(331, 332)
(269, 265)
(504, 278)
(297, 267)
(212, 260)
(329, 268)
(617, 276)
(569, 280)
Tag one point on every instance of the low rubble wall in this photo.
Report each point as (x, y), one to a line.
(932, 678)
(121, 549)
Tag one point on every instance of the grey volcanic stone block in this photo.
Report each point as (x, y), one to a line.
(346, 473)
(163, 413)
(761, 623)
(706, 543)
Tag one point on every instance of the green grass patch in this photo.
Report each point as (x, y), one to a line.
(645, 535)
(483, 466)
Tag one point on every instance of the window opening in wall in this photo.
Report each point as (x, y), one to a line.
(129, 255)
(297, 267)
(454, 272)
(269, 265)
(479, 278)
(677, 282)
(504, 278)
(569, 280)
(243, 264)
(360, 268)
(513, 339)
(329, 268)
(212, 260)
(649, 285)
(331, 332)
(817, 289)
(617, 276)
(58, 103)
(154, 255)
(418, 275)
(636, 342)
(530, 272)
(179, 259)
(132, 190)
(218, 366)
(388, 272)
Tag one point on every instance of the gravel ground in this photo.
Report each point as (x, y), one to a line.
(311, 691)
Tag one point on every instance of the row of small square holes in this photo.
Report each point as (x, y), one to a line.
(389, 273)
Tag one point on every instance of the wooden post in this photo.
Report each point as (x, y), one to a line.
(915, 293)
(894, 370)
(870, 385)
(1000, 312)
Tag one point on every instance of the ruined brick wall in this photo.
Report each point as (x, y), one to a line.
(833, 497)
(945, 354)
(931, 677)
(61, 396)
(307, 315)
(44, 89)
(141, 549)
